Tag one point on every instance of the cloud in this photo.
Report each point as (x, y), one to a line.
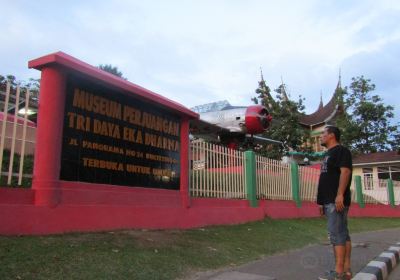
(382, 67)
(202, 51)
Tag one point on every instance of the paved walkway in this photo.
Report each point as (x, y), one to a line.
(309, 262)
(395, 275)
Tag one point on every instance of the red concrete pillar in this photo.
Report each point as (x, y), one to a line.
(47, 164)
(184, 188)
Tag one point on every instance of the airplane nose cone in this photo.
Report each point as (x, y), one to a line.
(257, 119)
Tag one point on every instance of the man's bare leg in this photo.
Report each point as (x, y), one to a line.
(340, 253)
(347, 258)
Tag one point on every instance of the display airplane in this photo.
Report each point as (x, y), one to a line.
(232, 126)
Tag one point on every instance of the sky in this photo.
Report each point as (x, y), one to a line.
(197, 52)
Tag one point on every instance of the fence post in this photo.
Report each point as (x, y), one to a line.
(251, 183)
(295, 183)
(359, 192)
(391, 192)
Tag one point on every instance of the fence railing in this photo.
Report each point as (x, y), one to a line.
(273, 179)
(17, 138)
(375, 191)
(216, 171)
(308, 178)
(219, 172)
(353, 193)
(396, 189)
(396, 184)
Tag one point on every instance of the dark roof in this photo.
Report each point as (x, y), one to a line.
(377, 157)
(322, 114)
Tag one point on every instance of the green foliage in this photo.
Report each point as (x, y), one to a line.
(34, 88)
(263, 95)
(27, 170)
(32, 84)
(7, 78)
(285, 125)
(112, 70)
(366, 120)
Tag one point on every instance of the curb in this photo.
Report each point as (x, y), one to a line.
(381, 266)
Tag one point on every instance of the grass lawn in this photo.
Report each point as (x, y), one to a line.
(141, 254)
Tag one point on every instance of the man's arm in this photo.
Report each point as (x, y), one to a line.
(344, 179)
(321, 210)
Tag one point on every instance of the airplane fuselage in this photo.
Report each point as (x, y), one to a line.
(231, 119)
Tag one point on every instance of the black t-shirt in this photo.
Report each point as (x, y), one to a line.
(336, 157)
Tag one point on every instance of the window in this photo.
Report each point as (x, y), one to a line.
(395, 172)
(383, 172)
(368, 178)
(389, 172)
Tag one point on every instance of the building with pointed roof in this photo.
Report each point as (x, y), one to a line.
(323, 116)
(321, 103)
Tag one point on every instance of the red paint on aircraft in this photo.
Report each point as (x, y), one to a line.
(257, 119)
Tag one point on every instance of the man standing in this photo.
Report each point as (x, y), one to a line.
(334, 199)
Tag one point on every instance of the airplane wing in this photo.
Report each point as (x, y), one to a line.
(206, 130)
(262, 140)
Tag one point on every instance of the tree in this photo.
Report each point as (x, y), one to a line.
(366, 120)
(32, 84)
(285, 125)
(112, 70)
(264, 95)
(8, 78)
(34, 88)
